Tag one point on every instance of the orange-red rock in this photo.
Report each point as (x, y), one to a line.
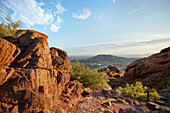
(153, 71)
(37, 78)
(113, 72)
(8, 52)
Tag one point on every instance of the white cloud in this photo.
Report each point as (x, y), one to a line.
(86, 13)
(113, 0)
(163, 35)
(28, 11)
(59, 20)
(54, 28)
(60, 9)
(136, 10)
(41, 3)
(56, 25)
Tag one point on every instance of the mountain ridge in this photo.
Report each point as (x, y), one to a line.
(109, 58)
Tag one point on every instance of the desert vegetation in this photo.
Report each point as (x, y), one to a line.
(89, 77)
(139, 91)
(10, 28)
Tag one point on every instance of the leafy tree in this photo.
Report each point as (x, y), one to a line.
(10, 28)
(89, 77)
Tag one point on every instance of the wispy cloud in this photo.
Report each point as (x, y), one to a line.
(54, 28)
(84, 15)
(136, 10)
(102, 15)
(28, 11)
(41, 3)
(56, 25)
(128, 48)
(60, 9)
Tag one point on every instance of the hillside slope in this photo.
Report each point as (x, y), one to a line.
(110, 58)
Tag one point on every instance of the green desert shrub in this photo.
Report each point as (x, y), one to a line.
(154, 94)
(10, 28)
(89, 77)
(138, 91)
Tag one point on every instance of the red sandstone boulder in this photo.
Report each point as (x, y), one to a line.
(113, 72)
(154, 71)
(8, 52)
(38, 77)
(56, 59)
(5, 73)
(36, 55)
(27, 39)
(71, 94)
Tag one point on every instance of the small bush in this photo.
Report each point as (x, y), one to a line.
(10, 28)
(154, 94)
(88, 77)
(138, 91)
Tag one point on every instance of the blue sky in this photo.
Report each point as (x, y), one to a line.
(90, 27)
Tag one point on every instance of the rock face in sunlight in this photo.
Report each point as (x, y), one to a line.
(113, 72)
(34, 77)
(154, 71)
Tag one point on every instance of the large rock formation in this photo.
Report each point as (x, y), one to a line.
(112, 71)
(153, 71)
(34, 77)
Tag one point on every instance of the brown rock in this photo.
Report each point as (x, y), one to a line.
(129, 110)
(136, 102)
(113, 72)
(26, 39)
(107, 111)
(71, 94)
(8, 52)
(11, 39)
(106, 91)
(120, 100)
(56, 59)
(107, 104)
(143, 109)
(87, 91)
(130, 101)
(152, 106)
(36, 55)
(33, 83)
(25, 87)
(5, 73)
(153, 71)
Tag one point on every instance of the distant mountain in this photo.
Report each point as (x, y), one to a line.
(109, 58)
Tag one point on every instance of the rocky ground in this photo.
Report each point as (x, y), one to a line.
(111, 102)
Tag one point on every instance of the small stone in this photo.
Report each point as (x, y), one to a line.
(108, 103)
(129, 101)
(152, 106)
(100, 109)
(121, 97)
(115, 97)
(87, 91)
(120, 100)
(101, 97)
(143, 109)
(106, 91)
(107, 111)
(136, 102)
(128, 110)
